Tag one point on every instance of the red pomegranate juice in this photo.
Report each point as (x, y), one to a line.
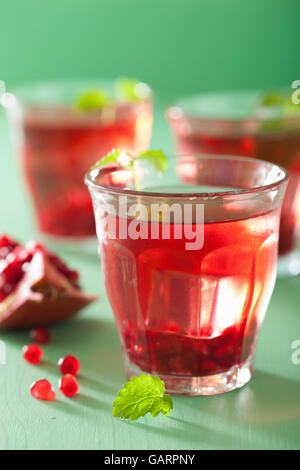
(192, 313)
(58, 152)
(282, 149)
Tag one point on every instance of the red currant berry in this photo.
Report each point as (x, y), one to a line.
(42, 390)
(69, 365)
(40, 335)
(68, 385)
(33, 353)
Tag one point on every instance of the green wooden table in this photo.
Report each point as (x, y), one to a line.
(265, 414)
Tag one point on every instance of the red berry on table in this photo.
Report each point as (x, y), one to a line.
(68, 385)
(42, 390)
(69, 365)
(32, 353)
(40, 335)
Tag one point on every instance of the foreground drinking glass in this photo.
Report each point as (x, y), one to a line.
(59, 142)
(189, 280)
(253, 124)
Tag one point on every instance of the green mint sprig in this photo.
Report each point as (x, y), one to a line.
(111, 157)
(156, 158)
(129, 89)
(142, 395)
(274, 98)
(92, 99)
(125, 89)
(273, 107)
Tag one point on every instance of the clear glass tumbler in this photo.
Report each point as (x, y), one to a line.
(58, 143)
(189, 264)
(239, 123)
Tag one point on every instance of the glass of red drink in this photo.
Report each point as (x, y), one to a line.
(189, 289)
(60, 142)
(252, 124)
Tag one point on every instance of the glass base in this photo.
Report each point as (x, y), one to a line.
(289, 265)
(86, 246)
(234, 378)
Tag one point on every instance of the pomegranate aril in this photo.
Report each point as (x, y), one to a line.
(19, 256)
(4, 241)
(40, 335)
(71, 275)
(224, 351)
(32, 353)
(42, 390)
(12, 270)
(20, 277)
(68, 385)
(172, 327)
(69, 365)
(33, 247)
(7, 245)
(209, 366)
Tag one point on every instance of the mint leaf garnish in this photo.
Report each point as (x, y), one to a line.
(142, 395)
(273, 99)
(110, 157)
(156, 158)
(128, 89)
(273, 108)
(92, 99)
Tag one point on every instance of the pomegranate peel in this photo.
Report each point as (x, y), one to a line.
(43, 296)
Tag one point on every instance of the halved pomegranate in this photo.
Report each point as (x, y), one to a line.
(36, 287)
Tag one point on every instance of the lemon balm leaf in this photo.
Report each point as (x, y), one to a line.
(279, 102)
(125, 89)
(273, 99)
(109, 158)
(167, 405)
(129, 89)
(91, 100)
(156, 158)
(273, 108)
(142, 395)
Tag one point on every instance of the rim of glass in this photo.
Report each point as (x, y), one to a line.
(58, 85)
(212, 194)
(178, 108)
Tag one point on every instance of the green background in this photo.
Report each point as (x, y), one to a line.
(178, 47)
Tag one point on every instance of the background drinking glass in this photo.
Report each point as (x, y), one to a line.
(192, 317)
(59, 143)
(255, 124)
